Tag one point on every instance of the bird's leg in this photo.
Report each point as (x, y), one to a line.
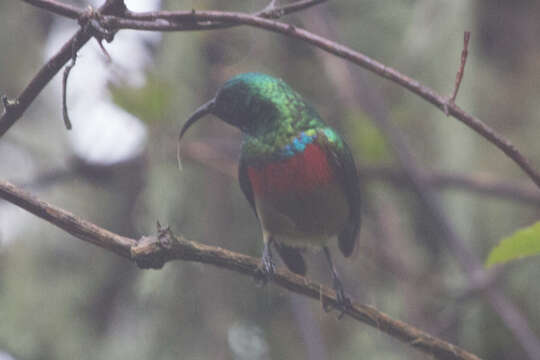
(343, 301)
(268, 267)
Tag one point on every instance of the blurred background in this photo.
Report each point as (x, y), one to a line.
(61, 298)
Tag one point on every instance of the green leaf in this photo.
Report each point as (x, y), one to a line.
(524, 242)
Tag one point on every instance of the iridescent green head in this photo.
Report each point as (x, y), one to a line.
(252, 102)
(260, 105)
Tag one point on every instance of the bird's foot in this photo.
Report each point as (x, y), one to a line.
(343, 302)
(266, 272)
(267, 268)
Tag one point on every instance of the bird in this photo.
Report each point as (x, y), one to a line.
(296, 172)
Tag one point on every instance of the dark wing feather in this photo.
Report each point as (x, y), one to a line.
(291, 256)
(245, 184)
(345, 168)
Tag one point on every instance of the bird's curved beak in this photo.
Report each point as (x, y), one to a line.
(199, 113)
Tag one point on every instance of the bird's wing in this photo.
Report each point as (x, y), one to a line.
(245, 183)
(292, 257)
(343, 163)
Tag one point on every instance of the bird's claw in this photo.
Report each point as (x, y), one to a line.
(342, 300)
(268, 266)
(267, 269)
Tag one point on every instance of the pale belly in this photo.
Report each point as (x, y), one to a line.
(304, 218)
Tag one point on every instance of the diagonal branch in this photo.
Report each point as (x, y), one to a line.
(417, 179)
(14, 108)
(428, 94)
(57, 7)
(46, 73)
(155, 252)
(201, 20)
(74, 12)
(461, 70)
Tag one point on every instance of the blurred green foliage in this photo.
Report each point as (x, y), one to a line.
(147, 102)
(524, 242)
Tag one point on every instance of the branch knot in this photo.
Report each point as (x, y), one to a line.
(94, 23)
(152, 252)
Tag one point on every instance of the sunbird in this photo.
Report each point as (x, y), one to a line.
(297, 173)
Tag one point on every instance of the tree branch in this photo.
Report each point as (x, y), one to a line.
(158, 251)
(461, 71)
(152, 252)
(190, 20)
(139, 23)
(14, 109)
(46, 73)
(57, 7)
(373, 104)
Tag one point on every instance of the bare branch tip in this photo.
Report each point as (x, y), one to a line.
(108, 58)
(178, 156)
(461, 70)
(466, 38)
(65, 76)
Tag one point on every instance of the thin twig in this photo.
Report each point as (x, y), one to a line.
(89, 21)
(51, 68)
(74, 12)
(41, 79)
(67, 70)
(155, 252)
(299, 6)
(417, 177)
(180, 15)
(459, 75)
(69, 11)
(188, 20)
(191, 18)
(461, 70)
(108, 58)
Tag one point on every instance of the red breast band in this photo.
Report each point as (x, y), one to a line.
(303, 171)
